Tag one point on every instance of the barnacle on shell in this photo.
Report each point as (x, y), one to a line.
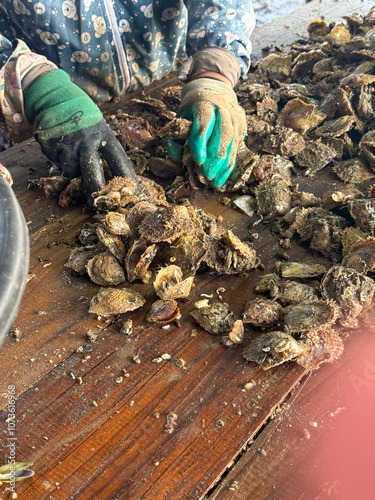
(215, 318)
(273, 348)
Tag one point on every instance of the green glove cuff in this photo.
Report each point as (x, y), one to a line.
(58, 107)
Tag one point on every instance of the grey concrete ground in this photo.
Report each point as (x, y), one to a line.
(268, 10)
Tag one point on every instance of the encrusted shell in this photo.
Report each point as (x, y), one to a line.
(361, 256)
(216, 318)
(273, 348)
(293, 292)
(363, 213)
(104, 269)
(352, 291)
(323, 346)
(273, 196)
(163, 311)
(267, 283)
(166, 224)
(352, 171)
(309, 315)
(115, 301)
(262, 312)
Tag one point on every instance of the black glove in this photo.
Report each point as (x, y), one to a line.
(78, 154)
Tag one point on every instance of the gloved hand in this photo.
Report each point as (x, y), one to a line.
(218, 127)
(72, 132)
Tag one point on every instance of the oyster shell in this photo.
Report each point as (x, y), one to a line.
(315, 156)
(113, 243)
(237, 333)
(367, 148)
(104, 269)
(166, 224)
(52, 186)
(267, 282)
(363, 213)
(163, 311)
(187, 252)
(168, 283)
(323, 346)
(216, 318)
(136, 132)
(72, 193)
(352, 291)
(110, 301)
(338, 35)
(115, 223)
(336, 198)
(293, 292)
(79, 257)
(262, 312)
(300, 269)
(309, 316)
(361, 257)
(273, 196)
(138, 260)
(273, 348)
(229, 255)
(300, 116)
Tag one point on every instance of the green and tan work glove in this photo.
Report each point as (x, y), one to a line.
(72, 132)
(218, 127)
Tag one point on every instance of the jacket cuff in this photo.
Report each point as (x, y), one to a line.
(218, 60)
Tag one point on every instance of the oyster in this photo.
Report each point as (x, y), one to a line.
(350, 236)
(136, 132)
(163, 311)
(115, 223)
(323, 346)
(361, 256)
(104, 269)
(166, 224)
(300, 116)
(79, 257)
(136, 214)
(367, 149)
(114, 193)
(315, 157)
(262, 312)
(300, 269)
(52, 186)
(113, 243)
(352, 291)
(338, 35)
(363, 213)
(267, 282)
(216, 318)
(321, 227)
(72, 193)
(276, 67)
(336, 198)
(292, 292)
(187, 252)
(115, 301)
(273, 196)
(273, 348)
(138, 260)
(229, 255)
(168, 283)
(309, 316)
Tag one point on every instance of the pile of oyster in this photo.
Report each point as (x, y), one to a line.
(138, 235)
(308, 109)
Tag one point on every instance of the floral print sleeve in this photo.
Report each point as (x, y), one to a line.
(15, 68)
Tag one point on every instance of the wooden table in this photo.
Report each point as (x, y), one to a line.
(95, 423)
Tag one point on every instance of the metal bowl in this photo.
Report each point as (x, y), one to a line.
(14, 256)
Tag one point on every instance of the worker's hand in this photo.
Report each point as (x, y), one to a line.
(72, 132)
(218, 127)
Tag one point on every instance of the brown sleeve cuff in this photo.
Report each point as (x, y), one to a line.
(35, 73)
(217, 60)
